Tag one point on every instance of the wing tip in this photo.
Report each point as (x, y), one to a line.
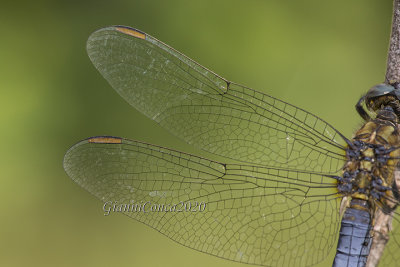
(93, 140)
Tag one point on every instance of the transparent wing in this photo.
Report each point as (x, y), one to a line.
(253, 214)
(208, 111)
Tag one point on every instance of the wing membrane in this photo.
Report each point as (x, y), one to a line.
(208, 111)
(253, 214)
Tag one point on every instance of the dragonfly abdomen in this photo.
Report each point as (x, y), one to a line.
(355, 239)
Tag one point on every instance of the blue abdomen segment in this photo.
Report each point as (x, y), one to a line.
(355, 236)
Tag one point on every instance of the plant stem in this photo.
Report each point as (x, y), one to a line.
(383, 222)
(393, 60)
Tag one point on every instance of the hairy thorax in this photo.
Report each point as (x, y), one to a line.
(372, 157)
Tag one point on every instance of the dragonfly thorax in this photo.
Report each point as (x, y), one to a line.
(371, 160)
(362, 173)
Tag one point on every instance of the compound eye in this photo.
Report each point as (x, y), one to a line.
(379, 90)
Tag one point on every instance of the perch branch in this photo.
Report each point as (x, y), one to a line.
(383, 222)
(393, 60)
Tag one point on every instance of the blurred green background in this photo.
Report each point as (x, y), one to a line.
(318, 55)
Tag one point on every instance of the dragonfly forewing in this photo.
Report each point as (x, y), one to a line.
(209, 111)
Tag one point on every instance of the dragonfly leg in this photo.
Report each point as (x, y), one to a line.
(360, 109)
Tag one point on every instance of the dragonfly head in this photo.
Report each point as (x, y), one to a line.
(381, 97)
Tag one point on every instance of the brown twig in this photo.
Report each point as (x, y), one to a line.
(383, 222)
(381, 230)
(393, 60)
(382, 227)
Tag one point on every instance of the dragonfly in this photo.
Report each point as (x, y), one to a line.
(286, 187)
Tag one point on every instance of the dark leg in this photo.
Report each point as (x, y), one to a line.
(361, 111)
